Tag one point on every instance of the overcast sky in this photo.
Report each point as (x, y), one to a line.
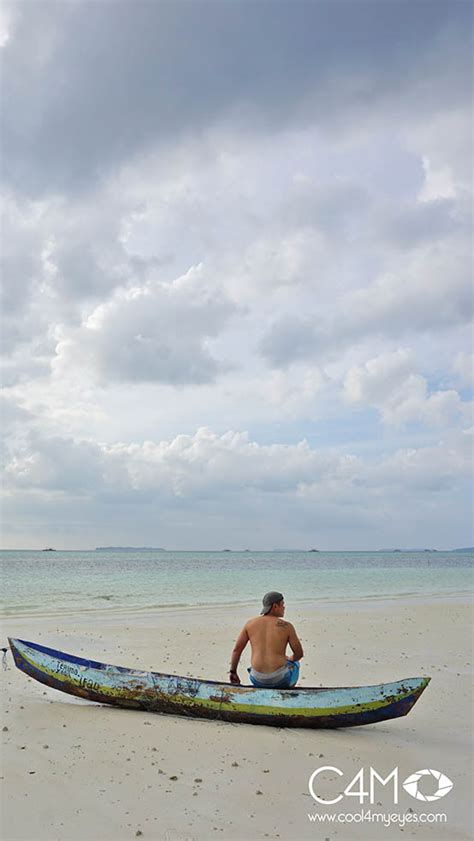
(237, 258)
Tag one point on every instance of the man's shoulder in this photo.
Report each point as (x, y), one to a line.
(283, 623)
(259, 620)
(277, 621)
(253, 621)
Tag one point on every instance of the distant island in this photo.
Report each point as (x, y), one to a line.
(408, 550)
(129, 549)
(418, 549)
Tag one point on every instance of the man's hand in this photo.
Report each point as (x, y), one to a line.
(234, 678)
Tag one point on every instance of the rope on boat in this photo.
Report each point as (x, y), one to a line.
(4, 659)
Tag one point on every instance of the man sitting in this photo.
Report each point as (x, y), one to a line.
(269, 636)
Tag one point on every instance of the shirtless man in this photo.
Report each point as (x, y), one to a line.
(269, 636)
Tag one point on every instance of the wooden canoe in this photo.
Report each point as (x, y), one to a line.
(157, 692)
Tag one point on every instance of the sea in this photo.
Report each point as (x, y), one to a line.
(39, 583)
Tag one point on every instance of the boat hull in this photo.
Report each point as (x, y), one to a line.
(162, 693)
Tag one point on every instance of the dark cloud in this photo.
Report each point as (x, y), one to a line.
(333, 208)
(85, 85)
(410, 225)
(291, 339)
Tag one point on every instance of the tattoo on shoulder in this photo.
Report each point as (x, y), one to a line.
(282, 624)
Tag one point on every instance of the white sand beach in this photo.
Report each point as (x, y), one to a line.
(75, 770)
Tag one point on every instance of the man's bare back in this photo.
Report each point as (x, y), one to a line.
(269, 635)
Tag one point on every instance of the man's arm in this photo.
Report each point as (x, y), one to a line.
(239, 646)
(294, 644)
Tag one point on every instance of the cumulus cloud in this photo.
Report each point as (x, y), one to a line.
(229, 473)
(56, 256)
(388, 383)
(443, 141)
(430, 468)
(463, 367)
(429, 291)
(190, 465)
(284, 231)
(153, 332)
(55, 463)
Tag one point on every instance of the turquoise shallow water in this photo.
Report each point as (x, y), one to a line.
(40, 583)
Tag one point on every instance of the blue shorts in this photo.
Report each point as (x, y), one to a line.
(284, 678)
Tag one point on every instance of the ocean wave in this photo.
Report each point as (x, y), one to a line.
(40, 609)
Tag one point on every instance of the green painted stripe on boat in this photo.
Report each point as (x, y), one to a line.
(209, 703)
(288, 711)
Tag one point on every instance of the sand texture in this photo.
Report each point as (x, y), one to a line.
(74, 770)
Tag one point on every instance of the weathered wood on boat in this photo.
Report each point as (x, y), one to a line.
(157, 692)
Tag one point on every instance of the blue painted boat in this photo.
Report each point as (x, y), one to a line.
(156, 692)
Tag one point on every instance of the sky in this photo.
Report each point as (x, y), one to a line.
(237, 302)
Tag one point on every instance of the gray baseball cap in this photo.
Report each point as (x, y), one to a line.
(268, 600)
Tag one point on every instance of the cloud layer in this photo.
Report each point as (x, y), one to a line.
(237, 273)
